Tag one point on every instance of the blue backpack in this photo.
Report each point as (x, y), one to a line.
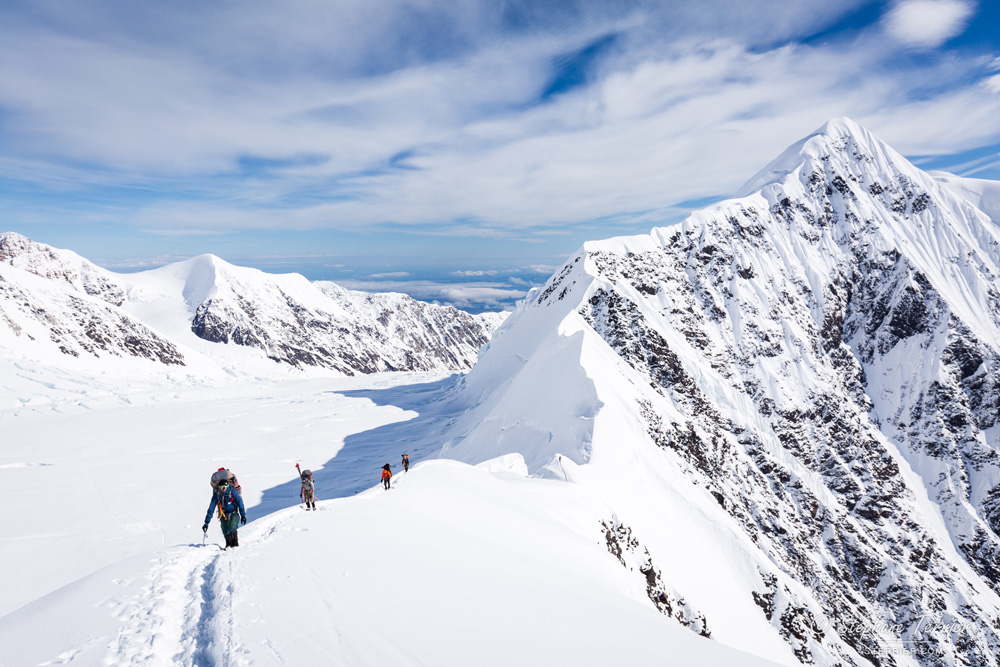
(226, 500)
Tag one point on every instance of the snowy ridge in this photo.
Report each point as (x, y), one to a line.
(451, 560)
(808, 371)
(283, 318)
(984, 195)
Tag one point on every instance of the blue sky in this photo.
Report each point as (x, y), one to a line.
(455, 150)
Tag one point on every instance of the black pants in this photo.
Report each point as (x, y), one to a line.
(229, 529)
(386, 482)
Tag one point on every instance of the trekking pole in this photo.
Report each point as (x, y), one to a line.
(299, 470)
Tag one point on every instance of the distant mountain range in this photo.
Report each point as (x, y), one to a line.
(791, 402)
(54, 302)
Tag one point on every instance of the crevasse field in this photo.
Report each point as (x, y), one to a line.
(104, 486)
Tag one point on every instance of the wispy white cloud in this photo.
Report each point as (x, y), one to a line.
(473, 274)
(545, 269)
(927, 23)
(204, 119)
(391, 274)
(474, 295)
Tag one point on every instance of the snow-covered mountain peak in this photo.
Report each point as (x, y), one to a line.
(208, 276)
(842, 192)
(806, 364)
(841, 140)
(65, 265)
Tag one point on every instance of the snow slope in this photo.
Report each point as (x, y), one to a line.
(985, 195)
(454, 565)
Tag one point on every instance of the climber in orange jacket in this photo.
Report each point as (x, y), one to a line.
(386, 474)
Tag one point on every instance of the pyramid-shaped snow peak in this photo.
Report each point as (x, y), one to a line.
(840, 140)
(801, 369)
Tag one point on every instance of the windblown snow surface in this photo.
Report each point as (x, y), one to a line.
(764, 436)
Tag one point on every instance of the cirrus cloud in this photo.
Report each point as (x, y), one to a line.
(927, 23)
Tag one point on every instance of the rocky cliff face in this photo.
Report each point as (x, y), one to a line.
(322, 324)
(820, 356)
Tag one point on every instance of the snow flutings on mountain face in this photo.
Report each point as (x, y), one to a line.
(820, 356)
(283, 317)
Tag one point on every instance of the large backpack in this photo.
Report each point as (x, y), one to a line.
(223, 473)
(218, 476)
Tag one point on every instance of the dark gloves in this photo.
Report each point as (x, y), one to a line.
(243, 519)
(204, 528)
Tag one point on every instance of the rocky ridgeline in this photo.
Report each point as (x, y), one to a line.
(351, 332)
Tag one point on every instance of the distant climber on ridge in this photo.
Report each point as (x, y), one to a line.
(308, 490)
(229, 505)
(406, 462)
(386, 474)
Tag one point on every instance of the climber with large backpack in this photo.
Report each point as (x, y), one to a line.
(406, 462)
(228, 503)
(386, 474)
(308, 491)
